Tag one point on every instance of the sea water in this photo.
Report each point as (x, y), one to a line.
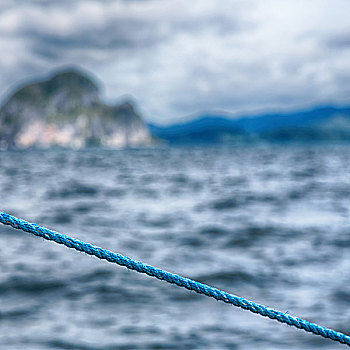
(266, 222)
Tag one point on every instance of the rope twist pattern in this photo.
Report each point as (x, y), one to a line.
(172, 278)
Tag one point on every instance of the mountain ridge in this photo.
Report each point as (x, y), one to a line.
(306, 124)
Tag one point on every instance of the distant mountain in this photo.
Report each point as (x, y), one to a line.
(202, 130)
(66, 110)
(321, 123)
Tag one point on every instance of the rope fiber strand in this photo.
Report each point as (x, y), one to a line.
(172, 278)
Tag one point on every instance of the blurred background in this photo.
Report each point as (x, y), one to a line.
(208, 139)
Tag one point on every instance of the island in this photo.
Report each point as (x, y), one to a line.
(65, 110)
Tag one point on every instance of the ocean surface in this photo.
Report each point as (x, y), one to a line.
(267, 222)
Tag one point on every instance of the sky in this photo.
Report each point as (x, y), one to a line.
(176, 58)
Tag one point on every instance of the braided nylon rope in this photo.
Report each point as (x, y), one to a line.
(172, 278)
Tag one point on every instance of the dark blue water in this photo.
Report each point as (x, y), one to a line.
(270, 223)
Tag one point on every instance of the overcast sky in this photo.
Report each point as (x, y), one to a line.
(179, 57)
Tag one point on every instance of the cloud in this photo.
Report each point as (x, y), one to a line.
(178, 58)
(339, 40)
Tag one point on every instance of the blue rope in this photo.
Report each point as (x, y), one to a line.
(172, 278)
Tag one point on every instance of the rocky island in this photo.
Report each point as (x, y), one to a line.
(66, 111)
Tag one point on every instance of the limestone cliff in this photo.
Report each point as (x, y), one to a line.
(65, 110)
